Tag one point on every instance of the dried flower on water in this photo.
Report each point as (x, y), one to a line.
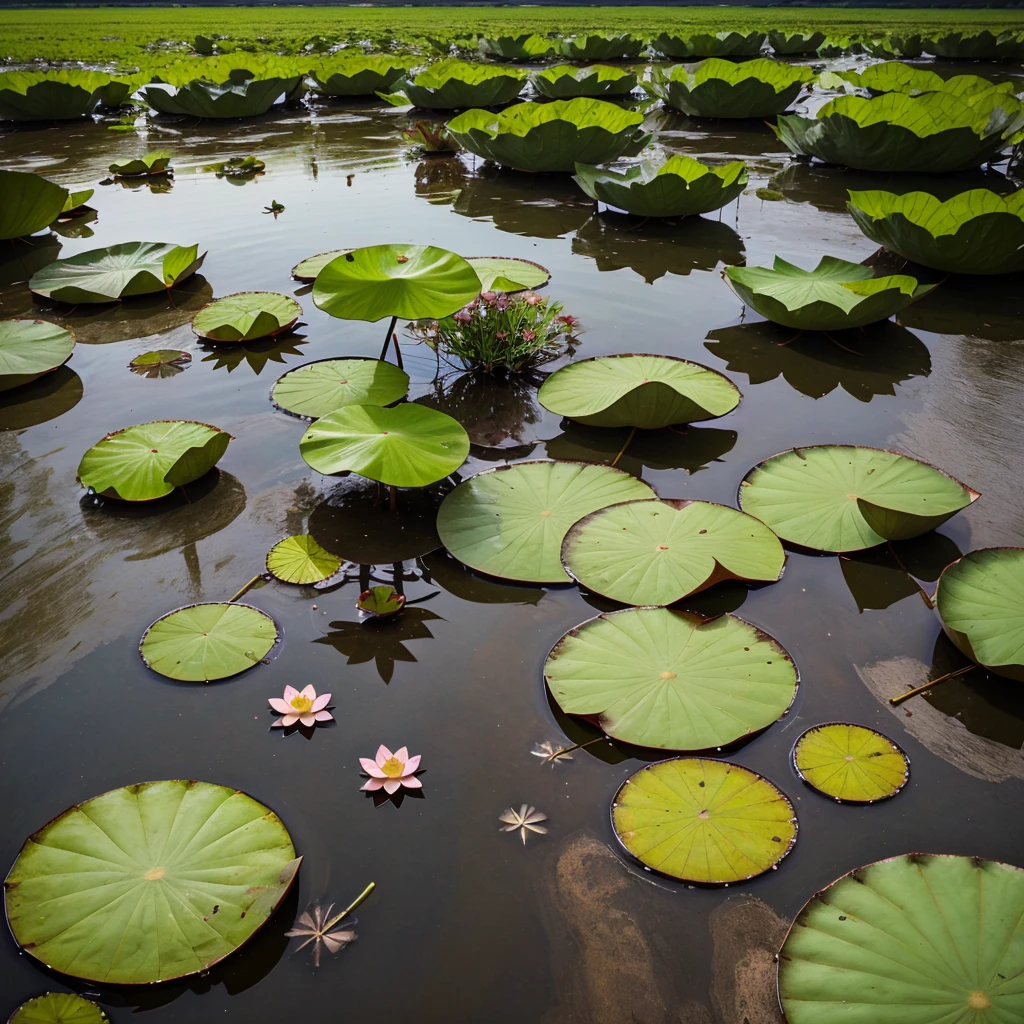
(550, 753)
(391, 772)
(524, 820)
(302, 706)
(316, 927)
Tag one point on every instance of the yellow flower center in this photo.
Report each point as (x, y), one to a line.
(393, 768)
(155, 874)
(301, 704)
(979, 1001)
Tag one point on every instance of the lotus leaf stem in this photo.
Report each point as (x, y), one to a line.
(622, 450)
(357, 902)
(387, 337)
(392, 497)
(245, 590)
(398, 351)
(575, 746)
(894, 701)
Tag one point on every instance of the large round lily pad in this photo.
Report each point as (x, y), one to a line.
(851, 763)
(980, 599)
(841, 497)
(30, 348)
(656, 552)
(58, 1008)
(921, 938)
(643, 391)
(149, 882)
(301, 560)
(408, 281)
(408, 446)
(149, 460)
(511, 521)
(672, 680)
(246, 316)
(318, 388)
(703, 821)
(203, 642)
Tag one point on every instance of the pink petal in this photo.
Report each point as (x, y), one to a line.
(289, 719)
(402, 754)
(321, 702)
(372, 784)
(370, 767)
(412, 764)
(309, 693)
(307, 719)
(324, 716)
(382, 754)
(391, 786)
(411, 782)
(290, 692)
(277, 723)
(279, 705)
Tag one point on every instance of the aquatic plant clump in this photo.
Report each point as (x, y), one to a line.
(237, 97)
(894, 76)
(564, 81)
(57, 95)
(526, 46)
(724, 88)
(795, 44)
(156, 162)
(28, 203)
(455, 84)
(552, 136)
(357, 74)
(981, 45)
(601, 46)
(699, 45)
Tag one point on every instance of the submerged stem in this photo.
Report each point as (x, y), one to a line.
(387, 337)
(398, 351)
(927, 686)
(392, 497)
(358, 901)
(245, 590)
(622, 450)
(576, 746)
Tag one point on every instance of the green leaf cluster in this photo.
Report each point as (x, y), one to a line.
(698, 45)
(237, 97)
(454, 84)
(563, 81)
(58, 95)
(526, 46)
(795, 44)
(895, 76)
(982, 45)
(157, 162)
(358, 74)
(601, 46)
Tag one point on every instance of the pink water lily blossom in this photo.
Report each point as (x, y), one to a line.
(390, 772)
(302, 706)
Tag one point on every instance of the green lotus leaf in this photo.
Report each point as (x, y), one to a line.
(30, 348)
(157, 162)
(54, 95)
(381, 602)
(233, 67)
(563, 81)
(247, 316)
(894, 76)
(703, 821)
(149, 460)
(656, 552)
(526, 46)
(836, 497)
(407, 446)
(149, 882)
(980, 599)
(671, 680)
(347, 74)
(601, 46)
(163, 362)
(309, 268)
(932, 133)
(982, 45)
(301, 560)
(551, 136)
(631, 390)
(76, 200)
(922, 937)
(836, 295)
(117, 272)
(724, 88)
(508, 274)
(28, 203)
(241, 97)
(975, 232)
(511, 521)
(795, 44)
(321, 387)
(408, 281)
(850, 763)
(699, 45)
(665, 185)
(453, 84)
(59, 1008)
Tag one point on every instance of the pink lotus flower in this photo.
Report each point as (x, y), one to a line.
(488, 297)
(529, 335)
(463, 317)
(305, 707)
(568, 321)
(531, 299)
(391, 771)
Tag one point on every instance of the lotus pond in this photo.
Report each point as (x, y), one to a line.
(518, 869)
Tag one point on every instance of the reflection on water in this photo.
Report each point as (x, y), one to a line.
(991, 308)
(254, 354)
(43, 399)
(462, 582)
(439, 179)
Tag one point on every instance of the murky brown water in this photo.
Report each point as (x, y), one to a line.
(467, 924)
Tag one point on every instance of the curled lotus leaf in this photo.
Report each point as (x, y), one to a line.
(30, 348)
(795, 44)
(672, 680)
(601, 46)
(703, 821)
(511, 521)
(55, 95)
(407, 281)
(318, 388)
(381, 602)
(655, 552)
(663, 184)
(699, 45)
(850, 763)
(921, 937)
(836, 497)
(724, 88)
(980, 600)
(551, 136)
(28, 203)
(308, 269)
(981, 45)
(348, 74)
(508, 274)
(454, 84)
(837, 295)
(149, 460)
(59, 1008)
(974, 232)
(406, 446)
(300, 560)
(239, 97)
(156, 162)
(564, 81)
(247, 316)
(167, 854)
(75, 202)
(895, 76)
(644, 391)
(525, 46)
(117, 272)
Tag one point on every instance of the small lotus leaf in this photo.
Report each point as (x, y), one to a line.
(58, 1008)
(163, 362)
(149, 460)
(247, 316)
(703, 821)
(656, 552)
(28, 203)
(850, 763)
(511, 521)
(299, 559)
(381, 602)
(980, 599)
(848, 498)
(76, 201)
(407, 446)
(55, 94)
(318, 388)
(242, 97)
(348, 74)
(157, 162)
(507, 274)
(564, 81)
(454, 84)
(699, 45)
(408, 281)
(30, 348)
(837, 295)
(893, 76)
(795, 44)
(644, 391)
(922, 937)
(309, 268)
(153, 881)
(119, 271)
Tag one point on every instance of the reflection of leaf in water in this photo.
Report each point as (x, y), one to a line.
(162, 363)
(975, 307)
(77, 227)
(381, 641)
(40, 400)
(440, 180)
(875, 580)
(865, 363)
(256, 354)
(460, 581)
(156, 183)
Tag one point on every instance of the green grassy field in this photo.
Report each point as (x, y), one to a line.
(145, 36)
